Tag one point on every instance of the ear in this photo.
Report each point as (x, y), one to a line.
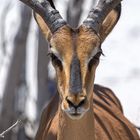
(109, 22)
(43, 26)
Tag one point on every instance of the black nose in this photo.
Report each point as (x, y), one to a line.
(76, 102)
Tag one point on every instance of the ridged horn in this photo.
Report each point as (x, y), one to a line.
(50, 15)
(97, 15)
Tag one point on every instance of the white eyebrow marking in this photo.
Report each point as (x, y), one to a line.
(55, 52)
(93, 53)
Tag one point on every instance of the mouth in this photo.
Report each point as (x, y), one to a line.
(75, 114)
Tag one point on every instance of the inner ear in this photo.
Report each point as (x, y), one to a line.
(43, 26)
(109, 22)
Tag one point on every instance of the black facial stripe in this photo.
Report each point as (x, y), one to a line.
(75, 76)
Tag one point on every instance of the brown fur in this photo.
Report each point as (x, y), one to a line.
(43, 26)
(110, 123)
(104, 119)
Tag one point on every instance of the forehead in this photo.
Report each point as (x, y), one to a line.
(69, 42)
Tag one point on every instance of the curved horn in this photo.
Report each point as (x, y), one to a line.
(97, 15)
(50, 15)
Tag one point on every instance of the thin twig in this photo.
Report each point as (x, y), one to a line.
(10, 128)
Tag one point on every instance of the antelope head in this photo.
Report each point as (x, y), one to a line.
(75, 53)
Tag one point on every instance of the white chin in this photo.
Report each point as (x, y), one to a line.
(75, 117)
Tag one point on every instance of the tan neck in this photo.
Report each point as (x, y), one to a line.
(76, 129)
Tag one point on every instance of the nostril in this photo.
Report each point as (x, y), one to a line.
(82, 102)
(75, 104)
(70, 102)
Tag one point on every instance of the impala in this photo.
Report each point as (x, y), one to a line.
(80, 110)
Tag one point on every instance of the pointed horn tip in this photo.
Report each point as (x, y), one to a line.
(49, 14)
(96, 16)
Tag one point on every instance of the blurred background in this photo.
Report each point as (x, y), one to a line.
(27, 77)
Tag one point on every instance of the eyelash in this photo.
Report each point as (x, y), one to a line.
(95, 59)
(58, 62)
(55, 60)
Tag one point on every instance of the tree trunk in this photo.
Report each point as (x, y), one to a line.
(8, 114)
(74, 12)
(43, 95)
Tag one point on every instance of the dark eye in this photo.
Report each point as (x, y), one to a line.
(55, 60)
(94, 60)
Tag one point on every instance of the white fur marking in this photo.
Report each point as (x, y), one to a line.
(94, 52)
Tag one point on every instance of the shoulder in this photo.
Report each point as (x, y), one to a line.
(106, 95)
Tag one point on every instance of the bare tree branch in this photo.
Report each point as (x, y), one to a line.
(2, 135)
